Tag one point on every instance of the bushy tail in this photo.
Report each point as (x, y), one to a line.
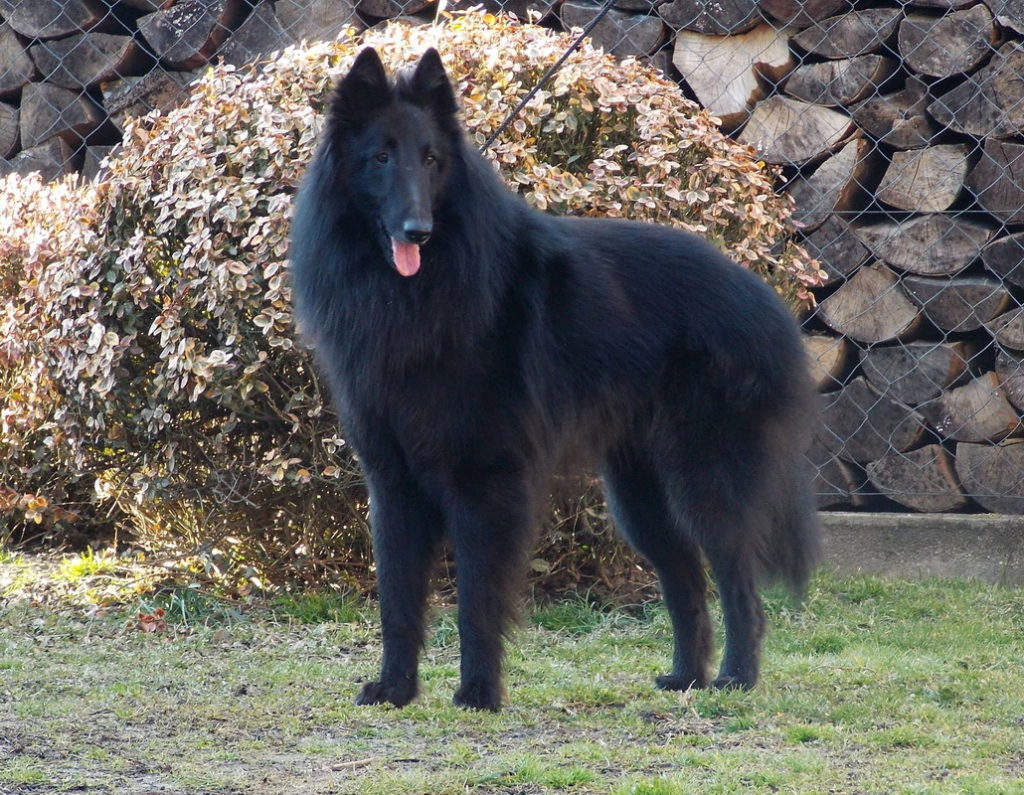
(789, 530)
(793, 548)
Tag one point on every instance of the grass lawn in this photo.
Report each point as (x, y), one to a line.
(875, 686)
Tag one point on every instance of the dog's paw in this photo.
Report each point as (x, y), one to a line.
(732, 683)
(399, 694)
(479, 695)
(674, 682)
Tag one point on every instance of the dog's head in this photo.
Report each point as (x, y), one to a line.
(397, 141)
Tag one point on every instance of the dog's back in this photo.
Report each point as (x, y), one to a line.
(707, 374)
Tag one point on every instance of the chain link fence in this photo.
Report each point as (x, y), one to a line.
(899, 127)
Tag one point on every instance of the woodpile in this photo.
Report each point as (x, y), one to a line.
(915, 209)
(899, 127)
(901, 132)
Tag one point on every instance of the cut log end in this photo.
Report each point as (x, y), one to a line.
(975, 412)
(837, 248)
(924, 479)
(947, 45)
(1010, 369)
(1005, 258)
(960, 304)
(837, 482)
(929, 245)
(827, 359)
(863, 425)
(917, 372)
(724, 72)
(187, 34)
(727, 17)
(835, 186)
(925, 180)
(787, 131)
(841, 82)
(993, 475)
(900, 119)
(997, 181)
(620, 33)
(871, 307)
(987, 104)
(850, 35)
(1008, 329)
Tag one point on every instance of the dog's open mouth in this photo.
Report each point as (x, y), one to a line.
(406, 257)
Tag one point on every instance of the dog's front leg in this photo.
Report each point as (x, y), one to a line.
(490, 525)
(407, 529)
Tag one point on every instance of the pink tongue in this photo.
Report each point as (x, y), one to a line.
(407, 257)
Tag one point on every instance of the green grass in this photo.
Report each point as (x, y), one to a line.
(572, 616)
(320, 608)
(874, 687)
(190, 607)
(87, 564)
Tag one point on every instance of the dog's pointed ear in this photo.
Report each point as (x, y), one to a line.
(430, 86)
(362, 91)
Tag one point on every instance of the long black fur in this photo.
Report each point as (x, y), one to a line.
(522, 335)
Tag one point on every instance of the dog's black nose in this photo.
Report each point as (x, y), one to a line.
(417, 232)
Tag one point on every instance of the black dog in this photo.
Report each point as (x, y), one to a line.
(469, 339)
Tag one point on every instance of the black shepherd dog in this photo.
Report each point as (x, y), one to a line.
(469, 340)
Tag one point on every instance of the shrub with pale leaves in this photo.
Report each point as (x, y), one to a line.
(150, 364)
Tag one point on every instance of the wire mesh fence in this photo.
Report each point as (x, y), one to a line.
(899, 128)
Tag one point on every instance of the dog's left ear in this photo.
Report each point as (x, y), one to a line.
(430, 86)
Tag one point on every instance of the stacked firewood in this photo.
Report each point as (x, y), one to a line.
(900, 127)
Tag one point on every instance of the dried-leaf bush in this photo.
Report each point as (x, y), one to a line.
(38, 225)
(147, 330)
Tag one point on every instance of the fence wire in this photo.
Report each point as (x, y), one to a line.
(899, 127)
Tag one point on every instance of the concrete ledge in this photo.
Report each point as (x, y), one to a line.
(964, 546)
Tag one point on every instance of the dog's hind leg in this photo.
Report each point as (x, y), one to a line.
(743, 616)
(711, 464)
(711, 495)
(638, 505)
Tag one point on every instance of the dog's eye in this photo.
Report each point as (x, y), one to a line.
(430, 159)
(381, 157)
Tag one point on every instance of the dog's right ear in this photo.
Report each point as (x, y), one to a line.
(362, 91)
